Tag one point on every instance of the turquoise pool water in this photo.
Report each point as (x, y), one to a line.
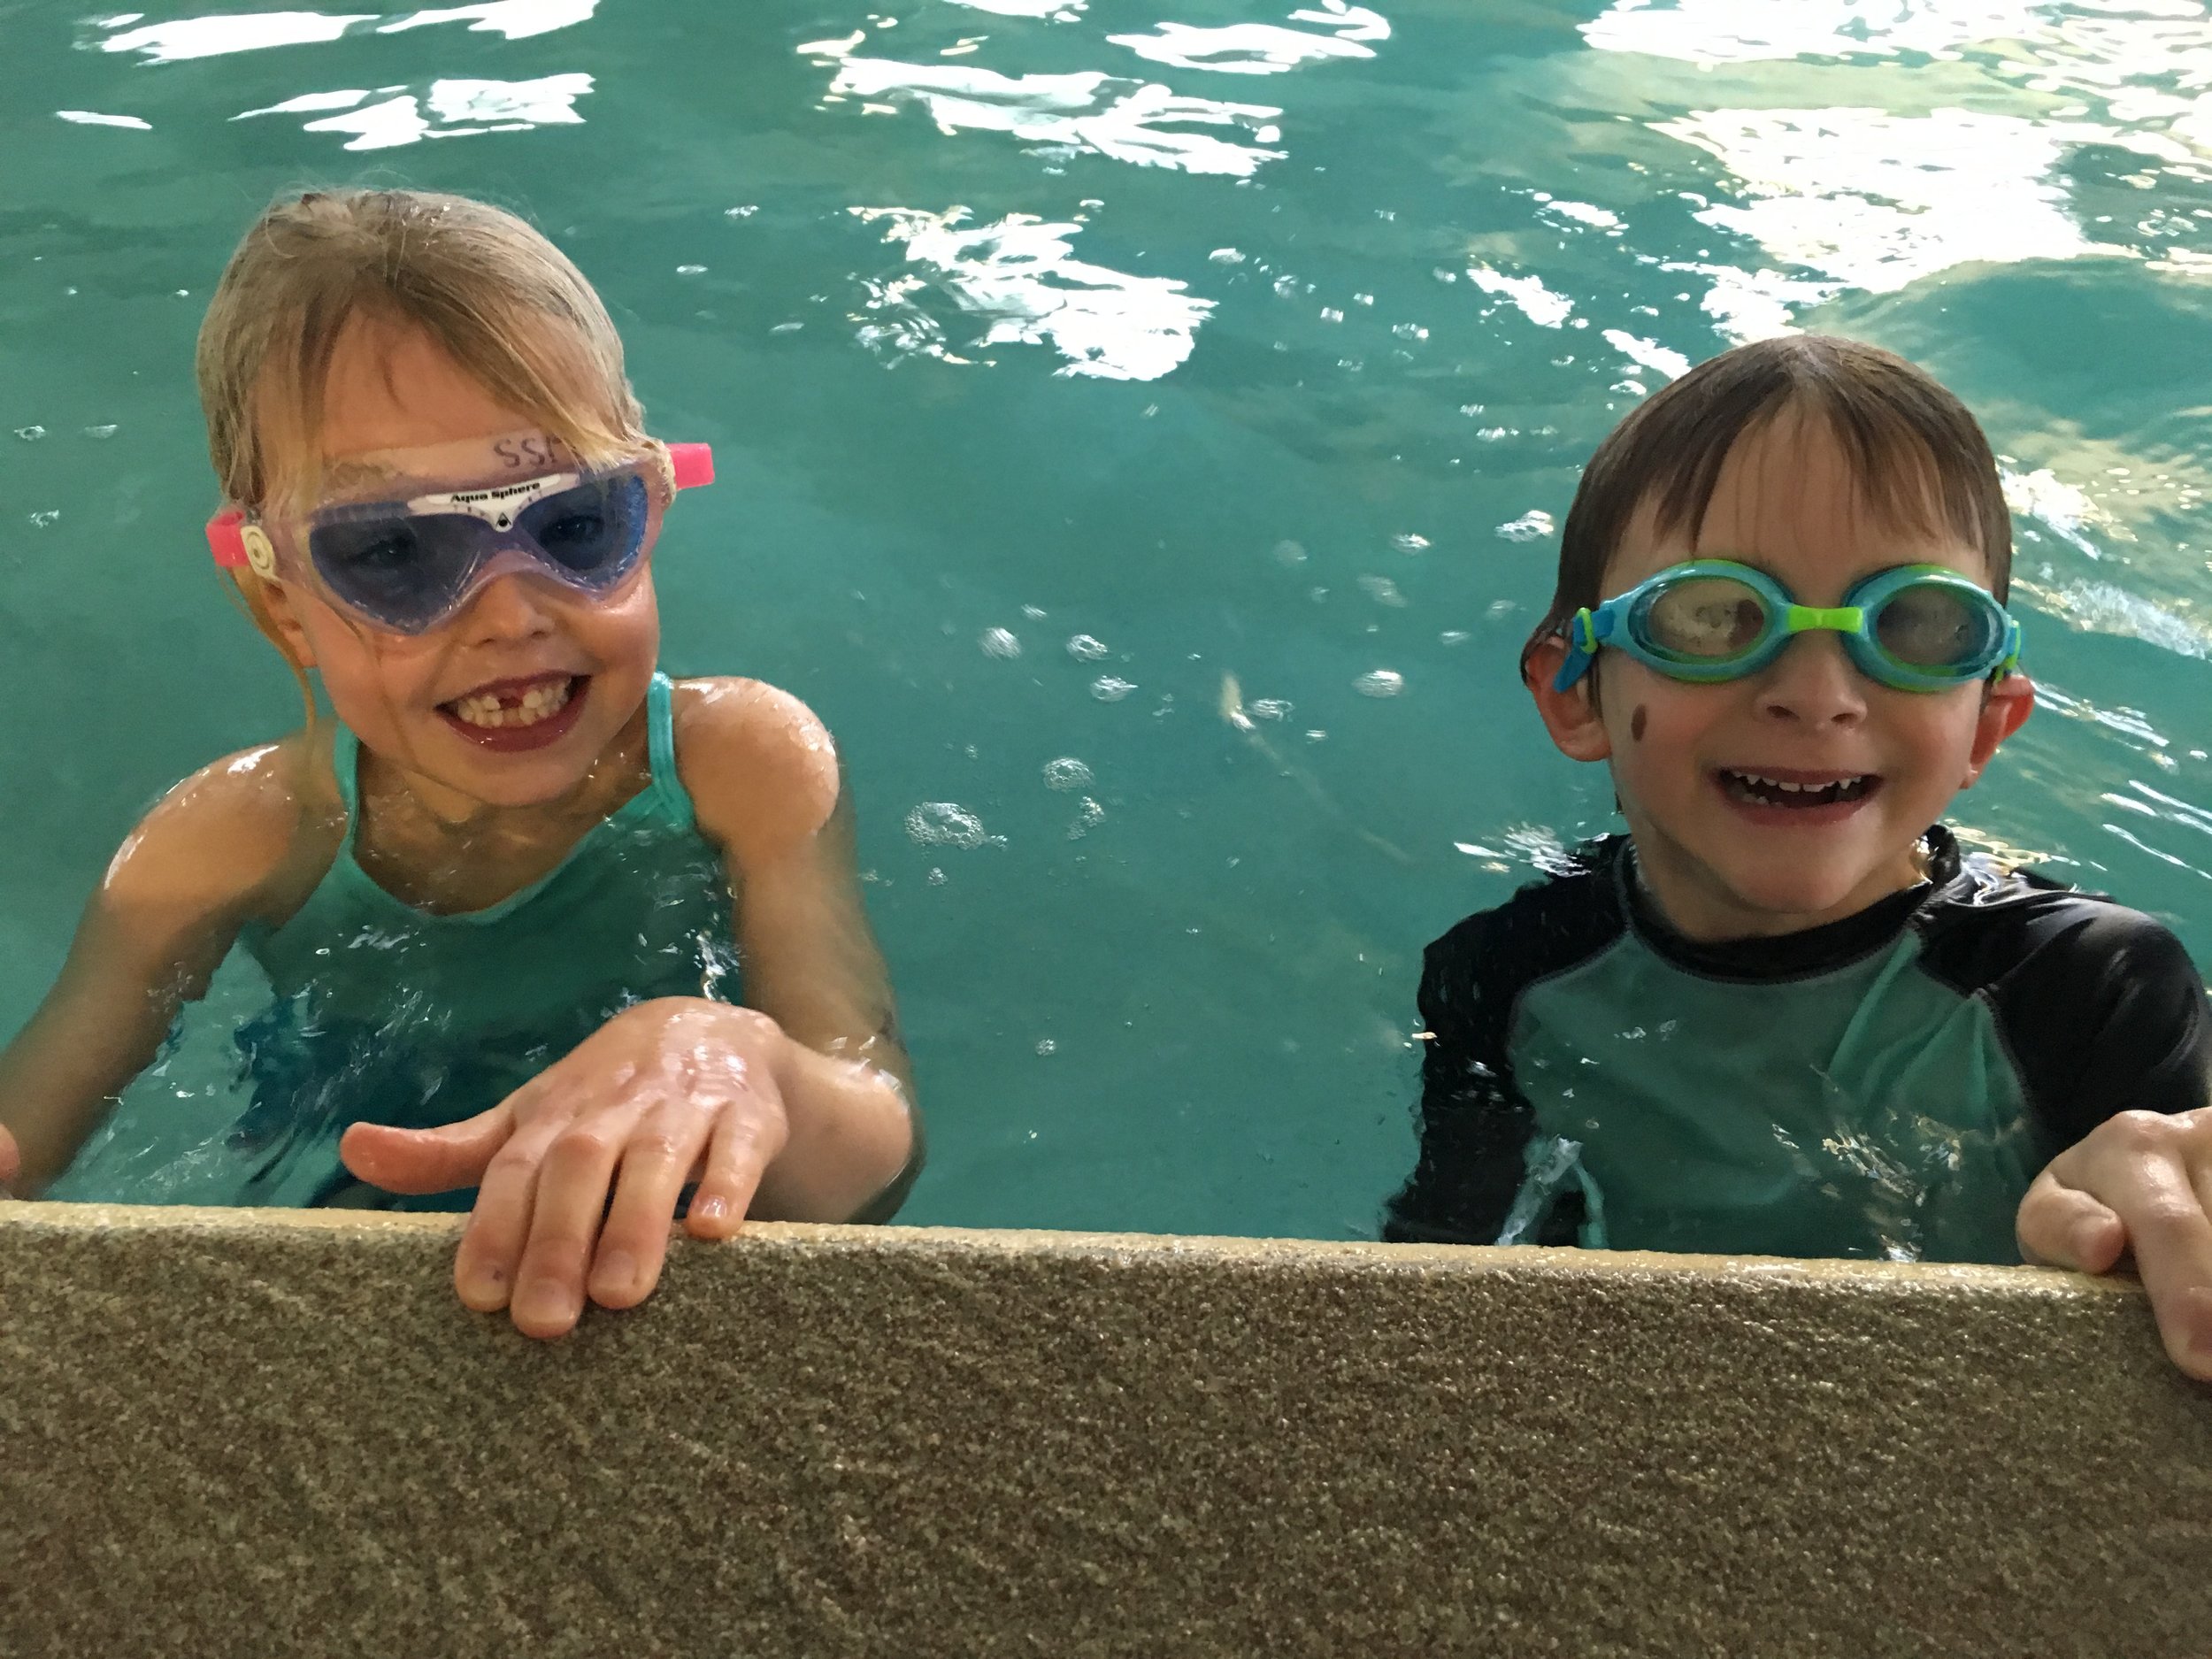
(1141, 437)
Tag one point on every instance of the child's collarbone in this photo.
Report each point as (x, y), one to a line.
(448, 868)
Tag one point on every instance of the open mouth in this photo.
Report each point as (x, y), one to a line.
(1798, 792)
(511, 714)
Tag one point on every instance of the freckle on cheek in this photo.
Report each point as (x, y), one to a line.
(1636, 723)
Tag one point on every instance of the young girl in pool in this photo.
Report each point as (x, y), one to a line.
(503, 898)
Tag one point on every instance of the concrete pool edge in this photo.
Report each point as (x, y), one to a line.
(276, 1431)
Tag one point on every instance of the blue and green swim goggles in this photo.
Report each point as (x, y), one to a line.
(1919, 628)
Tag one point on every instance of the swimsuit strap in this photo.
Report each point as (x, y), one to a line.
(660, 735)
(345, 766)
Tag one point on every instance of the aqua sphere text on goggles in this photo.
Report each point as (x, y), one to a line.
(1917, 628)
(408, 565)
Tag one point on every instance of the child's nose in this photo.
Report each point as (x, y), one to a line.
(1814, 682)
(510, 606)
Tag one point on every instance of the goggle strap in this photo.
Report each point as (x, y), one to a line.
(225, 539)
(691, 464)
(1582, 649)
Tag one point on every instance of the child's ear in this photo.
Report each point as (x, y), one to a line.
(1572, 716)
(2005, 709)
(276, 604)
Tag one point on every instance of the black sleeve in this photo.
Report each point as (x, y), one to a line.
(1475, 1124)
(2100, 1007)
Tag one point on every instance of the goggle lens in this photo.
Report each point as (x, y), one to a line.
(1703, 619)
(593, 531)
(1934, 627)
(409, 570)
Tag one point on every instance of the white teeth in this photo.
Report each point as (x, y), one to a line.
(1752, 783)
(537, 703)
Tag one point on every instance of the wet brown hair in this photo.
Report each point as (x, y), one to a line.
(1915, 453)
(488, 290)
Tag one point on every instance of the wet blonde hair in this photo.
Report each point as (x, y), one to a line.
(493, 294)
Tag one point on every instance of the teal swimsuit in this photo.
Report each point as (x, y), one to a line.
(387, 1014)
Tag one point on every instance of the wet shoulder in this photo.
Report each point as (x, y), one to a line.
(760, 768)
(1549, 926)
(250, 834)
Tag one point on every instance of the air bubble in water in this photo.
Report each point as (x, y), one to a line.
(1529, 527)
(999, 642)
(30, 434)
(945, 824)
(936, 877)
(41, 520)
(1382, 590)
(1084, 648)
(1067, 773)
(1088, 815)
(1289, 553)
(99, 432)
(1045, 1045)
(1409, 542)
(1106, 688)
(1384, 683)
(1269, 708)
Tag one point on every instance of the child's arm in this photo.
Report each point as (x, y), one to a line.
(1474, 1123)
(2138, 1179)
(796, 1106)
(163, 914)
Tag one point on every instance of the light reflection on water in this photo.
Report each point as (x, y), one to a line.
(1262, 341)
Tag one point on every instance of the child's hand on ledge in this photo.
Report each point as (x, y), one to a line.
(2140, 1182)
(666, 1093)
(11, 1161)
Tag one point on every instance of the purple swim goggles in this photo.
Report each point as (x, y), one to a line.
(407, 563)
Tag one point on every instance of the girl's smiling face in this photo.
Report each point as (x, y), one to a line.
(510, 700)
(1702, 772)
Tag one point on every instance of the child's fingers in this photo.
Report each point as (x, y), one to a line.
(564, 1216)
(426, 1160)
(499, 1225)
(744, 1143)
(2171, 1235)
(634, 1243)
(2154, 1173)
(10, 1161)
(2062, 1226)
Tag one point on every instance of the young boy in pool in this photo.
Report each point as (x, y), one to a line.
(504, 899)
(1784, 1014)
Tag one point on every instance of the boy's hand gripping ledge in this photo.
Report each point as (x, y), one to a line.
(2140, 1183)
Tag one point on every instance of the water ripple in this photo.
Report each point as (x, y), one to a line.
(1019, 276)
(1105, 115)
(456, 109)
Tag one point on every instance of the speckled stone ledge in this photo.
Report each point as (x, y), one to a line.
(271, 1433)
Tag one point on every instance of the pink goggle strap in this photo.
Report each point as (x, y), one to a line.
(224, 541)
(693, 463)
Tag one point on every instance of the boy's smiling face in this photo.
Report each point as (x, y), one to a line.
(1722, 858)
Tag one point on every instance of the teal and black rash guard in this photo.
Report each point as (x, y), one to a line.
(1885, 1085)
